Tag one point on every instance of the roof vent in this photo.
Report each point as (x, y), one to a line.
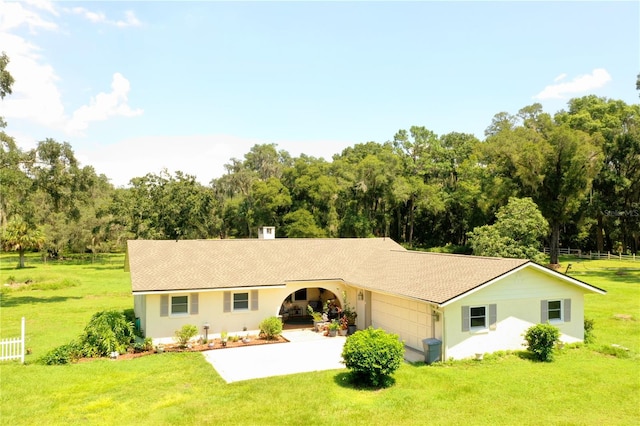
(267, 233)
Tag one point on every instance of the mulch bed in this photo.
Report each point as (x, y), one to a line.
(196, 347)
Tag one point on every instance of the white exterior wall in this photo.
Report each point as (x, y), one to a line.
(410, 319)
(139, 308)
(517, 298)
(211, 310)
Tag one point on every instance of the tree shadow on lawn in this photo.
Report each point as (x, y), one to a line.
(106, 267)
(621, 275)
(7, 302)
(4, 266)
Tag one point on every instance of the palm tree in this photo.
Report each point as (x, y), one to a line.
(19, 236)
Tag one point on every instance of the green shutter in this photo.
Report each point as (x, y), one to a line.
(567, 310)
(194, 303)
(544, 311)
(164, 305)
(465, 318)
(226, 304)
(254, 300)
(493, 316)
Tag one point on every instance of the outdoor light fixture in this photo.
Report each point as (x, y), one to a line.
(360, 295)
(206, 331)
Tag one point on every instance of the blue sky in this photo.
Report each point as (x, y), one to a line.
(138, 86)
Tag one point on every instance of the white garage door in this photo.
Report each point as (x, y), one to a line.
(408, 319)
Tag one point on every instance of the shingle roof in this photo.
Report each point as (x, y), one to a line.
(373, 263)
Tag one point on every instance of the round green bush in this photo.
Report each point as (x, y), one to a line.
(271, 327)
(373, 355)
(541, 339)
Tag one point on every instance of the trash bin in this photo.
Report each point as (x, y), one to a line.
(432, 349)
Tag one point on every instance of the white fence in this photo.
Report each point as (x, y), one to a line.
(13, 348)
(593, 255)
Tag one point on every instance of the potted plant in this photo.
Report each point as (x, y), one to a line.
(344, 326)
(317, 317)
(224, 336)
(349, 313)
(334, 326)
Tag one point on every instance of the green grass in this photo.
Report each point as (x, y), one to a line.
(582, 386)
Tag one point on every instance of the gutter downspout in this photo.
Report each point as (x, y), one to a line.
(440, 314)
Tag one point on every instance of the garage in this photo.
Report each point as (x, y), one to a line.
(411, 320)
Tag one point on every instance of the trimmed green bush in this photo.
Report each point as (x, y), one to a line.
(185, 334)
(107, 331)
(271, 327)
(373, 355)
(588, 330)
(541, 339)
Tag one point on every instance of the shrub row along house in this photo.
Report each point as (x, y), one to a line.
(471, 304)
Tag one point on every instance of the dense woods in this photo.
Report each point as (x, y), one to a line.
(580, 167)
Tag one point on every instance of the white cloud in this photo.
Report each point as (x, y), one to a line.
(36, 96)
(13, 15)
(560, 77)
(103, 106)
(203, 156)
(130, 19)
(580, 84)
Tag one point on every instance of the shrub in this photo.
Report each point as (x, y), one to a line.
(588, 330)
(271, 327)
(373, 355)
(107, 331)
(185, 334)
(62, 355)
(541, 339)
(144, 346)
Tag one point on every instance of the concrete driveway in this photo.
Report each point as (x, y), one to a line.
(306, 351)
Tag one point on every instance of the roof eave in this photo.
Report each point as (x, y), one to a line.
(207, 290)
(569, 280)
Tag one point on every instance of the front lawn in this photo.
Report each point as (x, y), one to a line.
(583, 386)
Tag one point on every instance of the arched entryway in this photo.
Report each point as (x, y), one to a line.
(294, 311)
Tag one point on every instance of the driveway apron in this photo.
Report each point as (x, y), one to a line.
(306, 351)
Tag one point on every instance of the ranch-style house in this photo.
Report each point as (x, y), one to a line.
(471, 304)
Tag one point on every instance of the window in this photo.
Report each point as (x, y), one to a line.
(558, 310)
(241, 301)
(554, 310)
(179, 305)
(478, 317)
(300, 294)
(184, 304)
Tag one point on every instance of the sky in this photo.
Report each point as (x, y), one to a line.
(137, 87)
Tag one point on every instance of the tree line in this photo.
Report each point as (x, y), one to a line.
(579, 168)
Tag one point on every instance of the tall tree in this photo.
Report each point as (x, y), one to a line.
(167, 207)
(616, 188)
(6, 81)
(545, 160)
(417, 189)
